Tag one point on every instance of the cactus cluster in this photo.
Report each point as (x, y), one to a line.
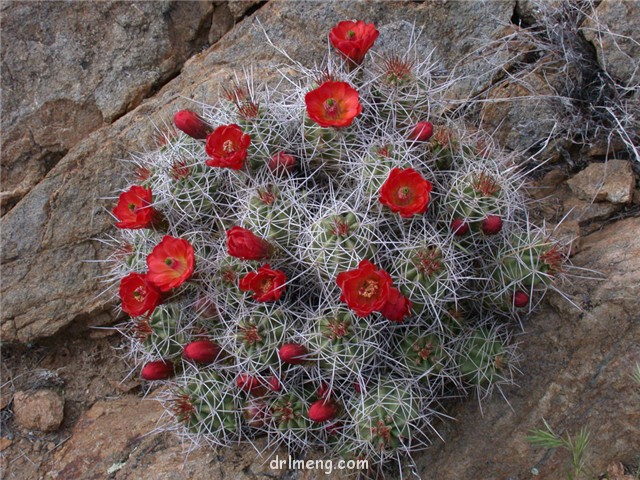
(325, 265)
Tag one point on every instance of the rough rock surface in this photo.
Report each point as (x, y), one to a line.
(577, 365)
(42, 410)
(49, 232)
(69, 68)
(613, 30)
(112, 438)
(522, 112)
(612, 181)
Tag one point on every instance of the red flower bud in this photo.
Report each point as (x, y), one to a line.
(421, 132)
(282, 162)
(397, 307)
(192, 124)
(157, 370)
(520, 299)
(244, 244)
(201, 351)
(491, 225)
(335, 428)
(459, 227)
(358, 387)
(324, 391)
(292, 353)
(250, 384)
(255, 413)
(322, 411)
(274, 383)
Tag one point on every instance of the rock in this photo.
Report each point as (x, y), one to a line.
(113, 437)
(42, 410)
(5, 443)
(575, 372)
(47, 235)
(613, 30)
(587, 212)
(612, 181)
(103, 436)
(69, 68)
(522, 112)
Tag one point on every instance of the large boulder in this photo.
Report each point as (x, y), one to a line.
(613, 30)
(578, 360)
(49, 237)
(68, 68)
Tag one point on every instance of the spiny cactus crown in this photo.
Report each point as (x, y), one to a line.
(324, 264)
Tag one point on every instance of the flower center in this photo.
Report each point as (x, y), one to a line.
(331, 107)
(404, 193)
(266, 197)
(382, 431)
(171, 263)
(350, 35)
(251, 335)
(228, 146)
(265, 285)
(138, 294)
(369, 288)
(132, 207)
(425, 352)
(338, 329)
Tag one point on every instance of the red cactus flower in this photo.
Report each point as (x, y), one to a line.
(365, 289)
(406, 192)
(459, 227)
(227, 146)
(266, 284)
(192, 124)
(323, 410)
(353, 39)
(201, 351)
(491, 225)
(250, 384)
(333, 104)
(282, 162)
(421, 132)
(397, 308)
(134, 208)
(292, 353)
(170, 263)
(520, 299)
(244, 244)
(138, 295)
(157, 370)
